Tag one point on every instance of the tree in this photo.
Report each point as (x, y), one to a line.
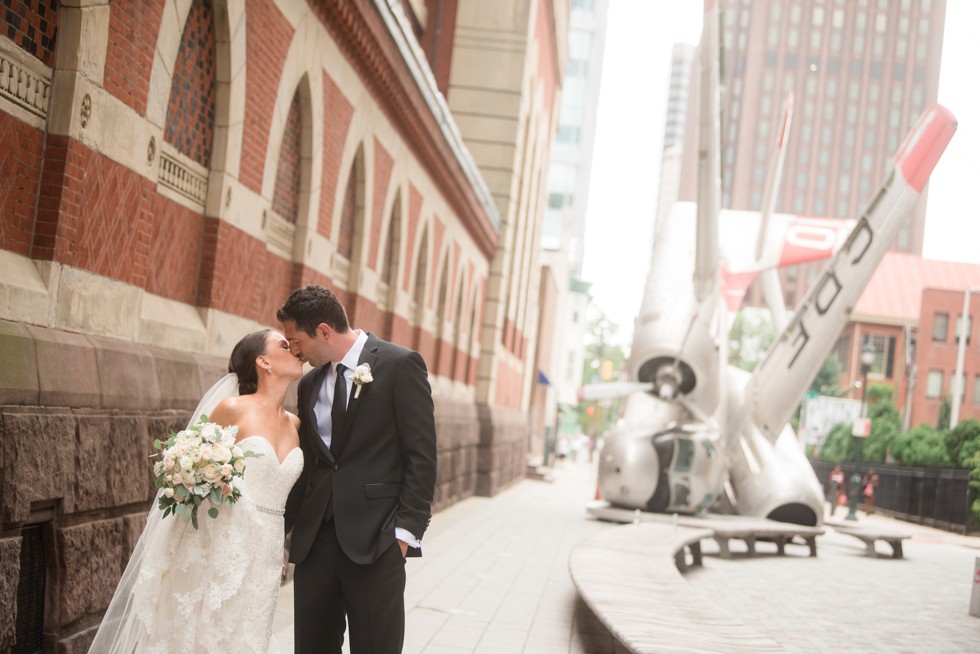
(595, 417)
(839, 445)
(749, 338)
(945, 411)
(963, 442)
(827, 377)
(886, 423)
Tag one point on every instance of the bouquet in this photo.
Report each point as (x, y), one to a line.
(198, 464)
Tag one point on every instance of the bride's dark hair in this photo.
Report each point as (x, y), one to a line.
(242, 361)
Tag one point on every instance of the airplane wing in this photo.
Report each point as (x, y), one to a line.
(790, 240)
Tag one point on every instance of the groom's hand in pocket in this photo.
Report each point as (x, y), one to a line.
(404, 547)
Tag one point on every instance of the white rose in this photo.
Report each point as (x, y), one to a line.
(168, 492)
(226, 470)
(212, 473)
(240, 465)
(177, 479)
(237, 452)
(186, 463)
(207, 451)
(222, 454)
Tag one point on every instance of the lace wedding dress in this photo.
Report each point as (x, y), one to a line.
(212, 589)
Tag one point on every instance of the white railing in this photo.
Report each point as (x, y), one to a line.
(280, 233)
(29, 89)
(180, 176)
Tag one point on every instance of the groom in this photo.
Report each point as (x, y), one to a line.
(362, 503)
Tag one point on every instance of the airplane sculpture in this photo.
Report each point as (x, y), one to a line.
(695, 432)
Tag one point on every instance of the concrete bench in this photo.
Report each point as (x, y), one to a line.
(752, 530)
(724, 527)
(868, 535)
(630, 577)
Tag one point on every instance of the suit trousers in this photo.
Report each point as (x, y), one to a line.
(329, 586)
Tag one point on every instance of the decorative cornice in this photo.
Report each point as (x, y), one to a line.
(362, 35)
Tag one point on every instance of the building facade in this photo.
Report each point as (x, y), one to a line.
(561, 348)
(172, 170)
(910, 314)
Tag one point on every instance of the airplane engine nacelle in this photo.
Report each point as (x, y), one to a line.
(770, 479)
(676, 338)
(679, 470)
(774, 480)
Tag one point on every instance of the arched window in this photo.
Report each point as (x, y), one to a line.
(388, 288)
(441, 317)
(280, 228)
(418, 294)
(189, 129)
(457, 341)
(351, 223)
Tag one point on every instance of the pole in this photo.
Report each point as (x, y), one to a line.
(855, 489)
(954, 414)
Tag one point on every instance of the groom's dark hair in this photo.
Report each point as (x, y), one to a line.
(311, 305)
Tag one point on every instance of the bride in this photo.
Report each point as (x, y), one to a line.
(215, 588)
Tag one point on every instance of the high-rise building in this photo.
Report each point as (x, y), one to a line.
(675, 124)
(861, 72)
(560, 352)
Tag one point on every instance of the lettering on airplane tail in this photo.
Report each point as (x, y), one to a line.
(813, 331)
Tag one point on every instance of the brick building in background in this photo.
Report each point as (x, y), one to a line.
(910, 313)
(172, 170)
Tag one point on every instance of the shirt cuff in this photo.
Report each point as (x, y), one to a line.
(406, 536)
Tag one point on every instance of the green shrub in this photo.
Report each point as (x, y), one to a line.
(923, 445)
(962, 442)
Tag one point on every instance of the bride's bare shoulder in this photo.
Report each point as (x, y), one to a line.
(229, 410)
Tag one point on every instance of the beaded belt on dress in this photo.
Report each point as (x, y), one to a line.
(266, 509)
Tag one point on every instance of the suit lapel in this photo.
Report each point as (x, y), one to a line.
(369, 355)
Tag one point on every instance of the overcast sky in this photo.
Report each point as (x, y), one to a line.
(626, 167)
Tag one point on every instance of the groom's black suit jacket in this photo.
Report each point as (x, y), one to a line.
(383, 475)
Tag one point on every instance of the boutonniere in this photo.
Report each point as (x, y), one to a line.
(362, 375)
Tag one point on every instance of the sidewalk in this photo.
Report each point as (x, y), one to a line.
(494, 579)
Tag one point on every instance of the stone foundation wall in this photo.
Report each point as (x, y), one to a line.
(78, 416)
(502, 451)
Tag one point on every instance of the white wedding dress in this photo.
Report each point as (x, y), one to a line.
(212, 589)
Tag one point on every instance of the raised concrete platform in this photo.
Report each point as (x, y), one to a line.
(495, 580)
(629, 578)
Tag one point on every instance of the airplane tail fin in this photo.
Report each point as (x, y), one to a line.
(795, 357)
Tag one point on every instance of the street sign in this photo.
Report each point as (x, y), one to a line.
(821, 413)
(861, 427)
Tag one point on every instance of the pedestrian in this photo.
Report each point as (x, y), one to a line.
(835, 486)
(869, 483)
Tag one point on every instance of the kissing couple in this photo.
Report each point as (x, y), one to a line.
(351, 477)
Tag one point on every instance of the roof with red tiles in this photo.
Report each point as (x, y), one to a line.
(894, 293)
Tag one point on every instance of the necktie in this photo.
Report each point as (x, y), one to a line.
(338, 410)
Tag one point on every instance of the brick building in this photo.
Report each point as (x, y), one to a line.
(172, 170)
(910, 313)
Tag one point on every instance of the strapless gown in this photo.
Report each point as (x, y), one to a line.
(212, 589)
